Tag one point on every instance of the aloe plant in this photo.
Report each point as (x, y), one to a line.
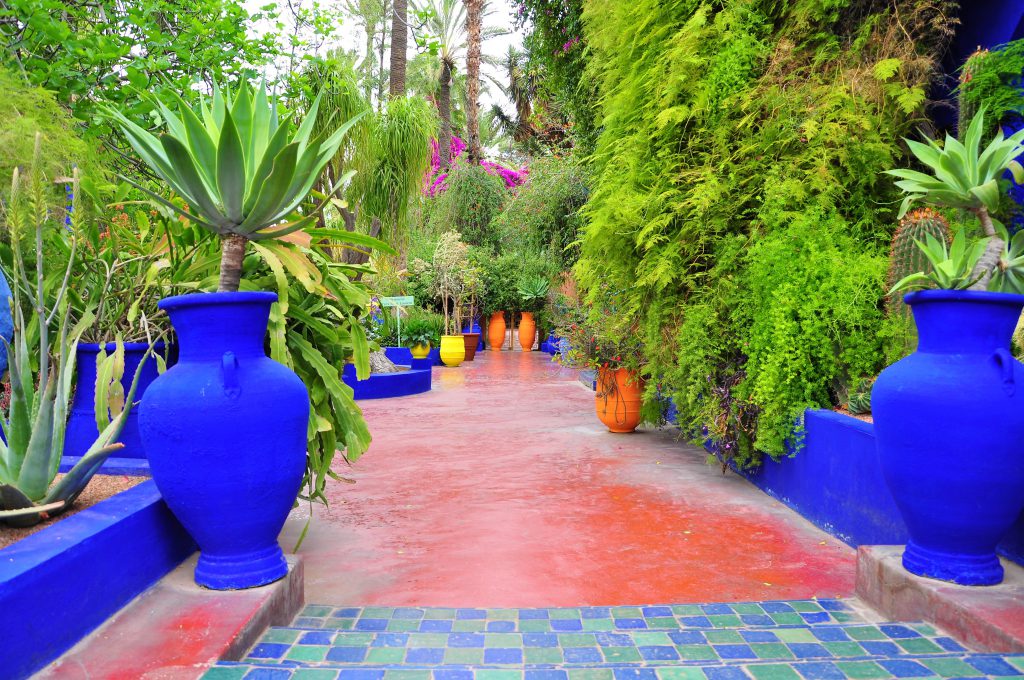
(238, 165)
(966, 177)
(533, 291)
(34, 425)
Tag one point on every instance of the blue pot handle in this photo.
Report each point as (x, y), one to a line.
(1005, 362)
(229, 375)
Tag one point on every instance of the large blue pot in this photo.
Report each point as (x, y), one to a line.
(949, 422)
(225, 432)
(82, 431)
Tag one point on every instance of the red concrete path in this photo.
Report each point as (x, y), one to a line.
(500, 489)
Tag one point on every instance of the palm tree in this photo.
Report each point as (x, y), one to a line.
(474, 31)
(443, 33)
(521, 89)
(399, 46)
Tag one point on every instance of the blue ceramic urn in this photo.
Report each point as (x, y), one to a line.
(949, 423)
(225, 433)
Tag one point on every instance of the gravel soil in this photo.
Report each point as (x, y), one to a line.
(100, 488)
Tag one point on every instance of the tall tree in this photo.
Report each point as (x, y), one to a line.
(474, 33)
(399, 46)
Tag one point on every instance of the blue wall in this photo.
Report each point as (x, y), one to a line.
(836, 482)
(59, 584)
(416, 380)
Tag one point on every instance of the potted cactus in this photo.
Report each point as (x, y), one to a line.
(225, 428)
(949, 418)
(35, 422)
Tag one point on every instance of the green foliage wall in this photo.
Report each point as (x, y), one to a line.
(738, 211)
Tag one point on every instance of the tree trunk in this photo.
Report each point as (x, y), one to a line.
(379, 363)
(399, 47)
(444, 111)
(989, 261)
(474, 31)
(231, 255)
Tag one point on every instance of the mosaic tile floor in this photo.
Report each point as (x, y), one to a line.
(795, 640)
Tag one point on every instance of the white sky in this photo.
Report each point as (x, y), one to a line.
(500, 15)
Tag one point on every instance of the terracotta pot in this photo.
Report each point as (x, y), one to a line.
(527, 332)
(496, 332)
(471, 340)
(619, 398)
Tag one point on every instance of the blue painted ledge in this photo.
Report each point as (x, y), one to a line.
(415, 380)
(836, 482)
(402, 356)
(59, 584)
(133, 467)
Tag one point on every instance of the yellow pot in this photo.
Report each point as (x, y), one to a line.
(453, 350)
(420, 351)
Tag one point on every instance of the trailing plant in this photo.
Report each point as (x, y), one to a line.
(990, 79)
(737, 204)
(35, 422)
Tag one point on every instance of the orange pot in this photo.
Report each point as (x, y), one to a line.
(496, 331)
(619, 398)
(527, 332)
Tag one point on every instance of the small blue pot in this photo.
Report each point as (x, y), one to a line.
(225, 433)
(949, 423)
(82, 430)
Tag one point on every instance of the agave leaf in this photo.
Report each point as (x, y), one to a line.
(202, 147)
(272, 192)
(75, 481)
(231, 171)
(218, 109)
(306, 128)
(956, 167)
(260, 131)
(34, 477)
(190, 185)
(1017, 171)
(988, 194)
(920, 278)
(168, 204)
(18, 428)
(262, 172)
(972, 142)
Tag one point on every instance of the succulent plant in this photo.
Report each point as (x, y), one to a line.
(905, 256)
(859, 400)
(35, 423)
(237, 165)
(533, 291)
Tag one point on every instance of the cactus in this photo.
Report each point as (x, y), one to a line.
(859, 400)
(907, 258)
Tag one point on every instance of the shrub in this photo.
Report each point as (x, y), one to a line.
(472, 200)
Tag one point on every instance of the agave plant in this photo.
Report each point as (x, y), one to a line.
(966, 177)
(533, 291)
(34, 425)
(239, 166)
(953, 268)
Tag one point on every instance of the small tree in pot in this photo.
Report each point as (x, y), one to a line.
(450, 267)
(225, 429)
(949, 418)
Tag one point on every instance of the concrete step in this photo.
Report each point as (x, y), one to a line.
(693, 646)
(962, 666)
(577, 619)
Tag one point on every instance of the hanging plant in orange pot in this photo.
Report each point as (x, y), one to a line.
(619, 398)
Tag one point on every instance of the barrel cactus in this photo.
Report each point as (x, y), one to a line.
(859, 399)
(906, 258)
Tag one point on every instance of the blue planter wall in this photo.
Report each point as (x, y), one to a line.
(59, 584)
(416, 380)
(835, 481)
